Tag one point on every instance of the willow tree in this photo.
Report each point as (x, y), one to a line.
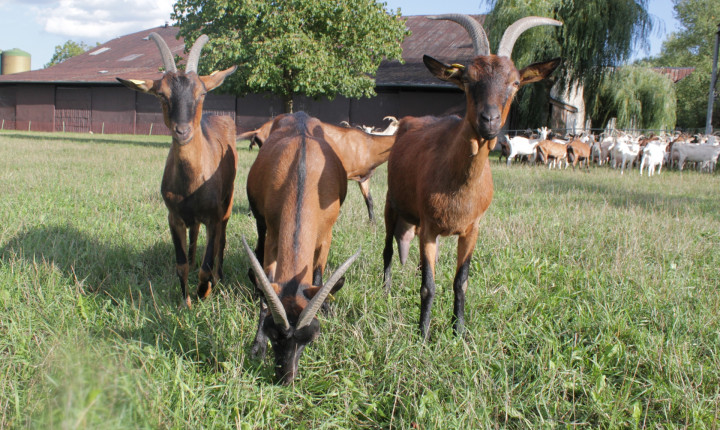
(693, 46)
(596, 36)
(636, 96)
(318, 48)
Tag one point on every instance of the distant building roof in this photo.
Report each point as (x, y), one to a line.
(131, 57)
(135, 57)
(675, 73)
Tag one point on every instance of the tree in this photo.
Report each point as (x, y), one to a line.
(636, 96)
(596, 36)
(692, 47)
(68, 50)
(288, 47)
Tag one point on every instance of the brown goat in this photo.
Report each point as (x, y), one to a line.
(360, 152)
(548, 150)
(295, 188)
(197, 185)
(257, 136)
(578, 152)
(439, 177)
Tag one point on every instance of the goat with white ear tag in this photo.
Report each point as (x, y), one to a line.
(198, 182)
(439, 178)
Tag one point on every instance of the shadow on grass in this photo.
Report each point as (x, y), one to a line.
(123, 275)
(90, 138)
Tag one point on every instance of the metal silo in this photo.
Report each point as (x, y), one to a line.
(15, 61)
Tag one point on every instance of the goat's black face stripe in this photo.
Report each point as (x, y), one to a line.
(182, 100)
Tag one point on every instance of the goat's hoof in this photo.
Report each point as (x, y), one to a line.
(204, 289)
(185, 304)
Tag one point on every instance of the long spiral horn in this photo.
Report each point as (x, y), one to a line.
(194, 56)
(272, 299)
(481, 46)
(167, 57)
(307, 315)
(517, 28)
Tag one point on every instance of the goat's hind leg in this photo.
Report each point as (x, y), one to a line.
(206, 277)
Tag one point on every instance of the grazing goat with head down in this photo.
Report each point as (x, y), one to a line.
(197, 185)
(295, 188)
(439, 176)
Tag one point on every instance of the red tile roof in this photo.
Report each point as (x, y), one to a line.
(131, 57)
(675, 73)
(134, 56)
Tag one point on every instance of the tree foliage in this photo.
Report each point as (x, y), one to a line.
(692, 46)
(638, 97)
(68, 50)
(287, 47)
(596, 35)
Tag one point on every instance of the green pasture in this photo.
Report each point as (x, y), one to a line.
(593, 303)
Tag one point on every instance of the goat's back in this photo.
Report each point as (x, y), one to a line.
(296, 185)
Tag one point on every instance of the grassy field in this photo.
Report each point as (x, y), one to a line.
(593, 302)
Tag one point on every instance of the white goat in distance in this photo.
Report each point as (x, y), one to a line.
(521, 145)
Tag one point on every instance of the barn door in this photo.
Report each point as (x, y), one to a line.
(72, 109)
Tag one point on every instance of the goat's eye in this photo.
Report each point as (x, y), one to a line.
(516, 84)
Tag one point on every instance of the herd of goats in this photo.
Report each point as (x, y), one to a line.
(616, 148)
(439, 184)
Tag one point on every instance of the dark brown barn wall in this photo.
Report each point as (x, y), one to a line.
(253, 110)
(7, 107)
(73, 109)
(432, 102)
(149, 116)
(113, 110)
(35, 109)
(371, 111)
(330, 111)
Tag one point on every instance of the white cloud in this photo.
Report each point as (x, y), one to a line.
(101, 20)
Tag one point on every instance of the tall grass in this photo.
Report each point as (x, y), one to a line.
(593, 302)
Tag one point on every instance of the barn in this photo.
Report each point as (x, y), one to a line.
(82, 95)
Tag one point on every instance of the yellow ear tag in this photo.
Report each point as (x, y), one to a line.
(213, 73)
(458, 66)
(137, 82)
(330, 298)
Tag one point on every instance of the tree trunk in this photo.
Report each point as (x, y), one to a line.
(288, 103)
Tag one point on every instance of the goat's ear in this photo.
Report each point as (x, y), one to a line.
(137, 84)
(216, 78)
(446, 72)
(538, 71)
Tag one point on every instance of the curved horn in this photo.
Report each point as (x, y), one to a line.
(194, 56)
(307, 315)
(272, 299)
(517, 28)
(167, 56)
(481, 46)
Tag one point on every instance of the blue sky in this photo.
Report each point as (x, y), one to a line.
(37, 26)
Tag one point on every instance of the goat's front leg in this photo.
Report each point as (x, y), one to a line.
(428, 251)
(179, 237)
(466, 245)
(205, 277)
